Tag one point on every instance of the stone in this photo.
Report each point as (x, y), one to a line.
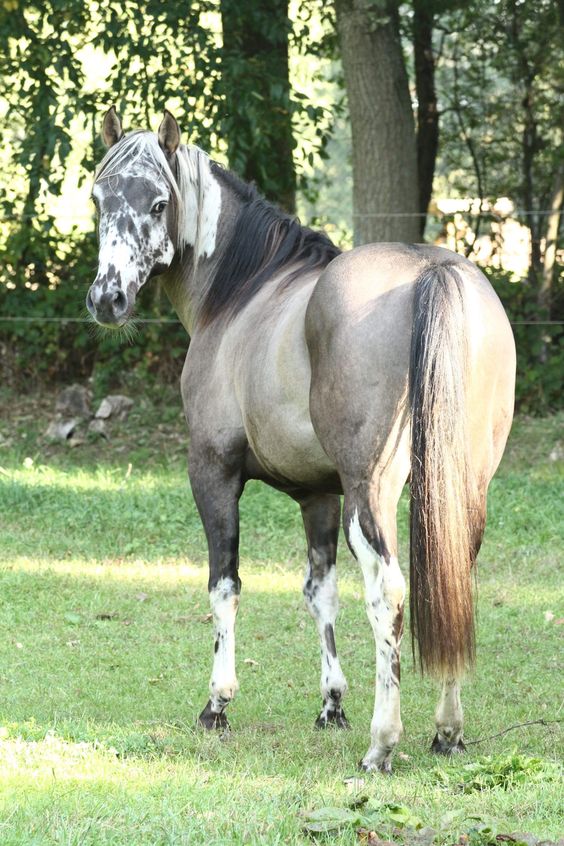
(98, 427)
(61, 430)
(74, 401)
(114, 405)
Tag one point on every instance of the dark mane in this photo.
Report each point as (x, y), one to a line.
(265, 240)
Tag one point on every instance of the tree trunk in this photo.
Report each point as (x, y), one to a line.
(529, 145)
(385, 189)
(427, 111)
(258, 121)
(552, 228)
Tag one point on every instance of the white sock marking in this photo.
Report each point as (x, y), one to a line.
(384, 595)
(322, 601)
(224, 604)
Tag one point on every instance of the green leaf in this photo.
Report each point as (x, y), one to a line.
(329, 819)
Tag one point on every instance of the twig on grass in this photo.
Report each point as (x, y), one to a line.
(516, 726)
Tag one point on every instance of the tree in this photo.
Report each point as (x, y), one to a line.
(385, 185)
(257, 108)
(427, 107)
(501, 97)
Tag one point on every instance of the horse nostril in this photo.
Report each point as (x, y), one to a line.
(119, 301)
(89, 303)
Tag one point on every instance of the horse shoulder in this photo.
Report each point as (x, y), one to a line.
(208, 392)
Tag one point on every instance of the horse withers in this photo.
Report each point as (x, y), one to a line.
(324, 374)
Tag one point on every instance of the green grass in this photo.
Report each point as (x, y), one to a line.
(106, 652)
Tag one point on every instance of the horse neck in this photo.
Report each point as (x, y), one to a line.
(189, 276)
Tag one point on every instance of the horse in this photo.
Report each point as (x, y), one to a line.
(326, 375)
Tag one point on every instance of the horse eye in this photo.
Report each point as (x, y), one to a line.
(159, 207)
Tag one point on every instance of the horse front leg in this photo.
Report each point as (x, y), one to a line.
(321, 516)
(217, 490)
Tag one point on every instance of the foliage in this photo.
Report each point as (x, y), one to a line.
(491, 58)
(501, 106)
(386, 824)
(504, 772)
(381, 815)
(540, 350)
(46, 347)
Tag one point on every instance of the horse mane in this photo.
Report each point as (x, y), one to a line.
(264, 241)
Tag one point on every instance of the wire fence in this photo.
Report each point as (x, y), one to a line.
(176, 322)
(473, 210)
(498, 242)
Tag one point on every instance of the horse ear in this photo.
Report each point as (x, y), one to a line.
(169, 134)
(111, 128)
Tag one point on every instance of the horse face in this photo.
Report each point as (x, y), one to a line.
(134, 224)
(135, 243)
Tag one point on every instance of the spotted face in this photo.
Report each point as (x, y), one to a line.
(135, 241)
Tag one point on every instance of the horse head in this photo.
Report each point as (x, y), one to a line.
(135, 195)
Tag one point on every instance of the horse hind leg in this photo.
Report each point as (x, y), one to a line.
(321, 516)
(449, 720)
(371, 535)
(449, 715)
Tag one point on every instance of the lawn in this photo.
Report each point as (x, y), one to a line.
(106, 654)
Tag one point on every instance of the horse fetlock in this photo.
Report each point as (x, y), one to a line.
(333, 688)
(378, 759)
(385, 738)
(333, 685)
(451, 733)
(448, 739)
(379, 756)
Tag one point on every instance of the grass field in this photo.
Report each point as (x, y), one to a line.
(106, 652)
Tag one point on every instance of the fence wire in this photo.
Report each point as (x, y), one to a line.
(494, 247)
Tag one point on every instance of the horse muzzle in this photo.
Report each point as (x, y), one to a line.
(110, 308)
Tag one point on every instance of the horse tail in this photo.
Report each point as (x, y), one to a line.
(445, 526)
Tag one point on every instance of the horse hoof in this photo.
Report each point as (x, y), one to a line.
(441, 746)
(211, 720)
(332, 717)
(384, 767)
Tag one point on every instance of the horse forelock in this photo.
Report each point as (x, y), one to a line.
(139, 153)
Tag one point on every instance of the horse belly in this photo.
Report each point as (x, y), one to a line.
(287, 448)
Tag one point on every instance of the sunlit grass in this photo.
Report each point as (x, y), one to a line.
(106, 653)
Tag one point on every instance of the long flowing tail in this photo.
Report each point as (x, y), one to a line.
(446, 516)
